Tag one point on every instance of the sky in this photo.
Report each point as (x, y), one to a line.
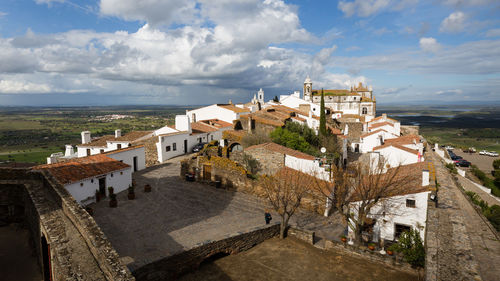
(192, 52)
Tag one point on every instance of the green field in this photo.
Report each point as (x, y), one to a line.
(32, 134)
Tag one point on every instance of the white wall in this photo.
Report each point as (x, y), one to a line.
(294, 102)
(310, 167)
(178, 139)
(371, 141)
(395, 157)
(164, 130)
(396, 212)
(112, 145)
(213, 112)
(120, 181)
(127, 157)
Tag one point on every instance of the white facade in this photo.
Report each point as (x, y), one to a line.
(310, 167)
(394, 211)
(368, 142)
(172, 145)
(213, 112)
(293, 101)
(395, 156)
(135, 157)
(84, 191)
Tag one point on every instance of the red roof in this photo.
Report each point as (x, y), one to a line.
(78, 169)
(371, 133)
(396, 146)
(282, 149)
(408, 139)
(124, 149)
(376, 125)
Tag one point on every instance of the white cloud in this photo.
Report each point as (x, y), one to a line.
(449, 92)
(2, 14)
(152, 11)
(16, 87)
(459, 3)
(429, 44)
(493, 32)
(454, 23)
(48, 2)
(365, 8)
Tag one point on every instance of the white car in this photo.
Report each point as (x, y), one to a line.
(493, 154)
(483, 152)
(449, 147)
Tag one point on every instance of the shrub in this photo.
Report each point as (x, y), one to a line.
(452, 168)
(251, 164)
(496, 164)
(411, 246)
(493, 215)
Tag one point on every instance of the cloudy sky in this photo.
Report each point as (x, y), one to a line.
(102, 52)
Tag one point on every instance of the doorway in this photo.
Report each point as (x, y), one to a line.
(399, 229)
(207, 172)
(185, 146)
(102, 186)
(47, 274)
(135, 163)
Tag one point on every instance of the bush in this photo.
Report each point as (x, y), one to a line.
(493, 215)
(251, 164)
(290, 139)
(496, 164)
(452, 168)
(411, 246)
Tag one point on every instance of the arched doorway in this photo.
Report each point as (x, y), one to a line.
(234, 147)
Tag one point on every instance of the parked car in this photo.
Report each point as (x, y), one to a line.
(470, 150)
(449, 147)
(199, 146)
(455, 157)
(462, 163)
(493, 154)
(483, 152)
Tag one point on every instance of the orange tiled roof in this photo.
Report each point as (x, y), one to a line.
(234, 108)
(408, 139)
(99, 142)
(282, 149)
(132, 136)
(376, 125)
(381, 117)
(201, 127)
(371, 133)
(335, 131)
(408, 177)
(78, 169)
(396, 146)
(123, 149)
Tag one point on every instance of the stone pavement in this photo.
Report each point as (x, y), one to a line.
(460, 246)
(177, 215)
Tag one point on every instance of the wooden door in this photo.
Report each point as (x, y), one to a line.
(207, 172)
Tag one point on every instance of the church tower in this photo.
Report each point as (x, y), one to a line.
(308, 89)
(260, 96)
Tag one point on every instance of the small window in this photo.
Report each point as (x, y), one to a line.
(119, 146)
(167, 148)
(121, 173)
(102, 151)
(81, 184)
(410, 203)
(174, 146)
(111, 174)
(211, 137)
(92, 180)
(88, 151)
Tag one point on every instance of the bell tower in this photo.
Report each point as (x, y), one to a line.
(260, 96)
(308, 89)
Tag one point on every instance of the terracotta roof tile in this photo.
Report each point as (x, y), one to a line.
(78, 169)
(98, 142)
(123, 149)
(133, 136)
(282, 149)
(408, 139)
(371, 133)
(396, 146)
(376, 125)
(233, 108)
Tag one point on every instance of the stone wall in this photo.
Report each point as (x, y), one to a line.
(302, 234)
(270, 161)
(78, 248)
(150, 150)
(174, 266)
(409, 130)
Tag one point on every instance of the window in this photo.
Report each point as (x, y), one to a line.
(111, 174)
(81, 184)
(92, 180)
(211, 137)
(121, 173)
(88, 151)
(102, 151)
(400, 228)
(119, 145)
(199, 140)
(410, 203)
(167, 148)
(193, 117)
(364, 110)
(174, 146)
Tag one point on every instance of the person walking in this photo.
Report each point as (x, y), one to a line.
(268, 217)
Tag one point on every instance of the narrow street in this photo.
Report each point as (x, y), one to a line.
(460, 244)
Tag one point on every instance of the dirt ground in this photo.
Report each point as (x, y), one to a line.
(483, 162)
(16, 256)
(292, 259)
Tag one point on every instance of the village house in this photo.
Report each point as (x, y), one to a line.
(385, 123)
(83, 176)
(225, 112)
(404, 150)
(373, 139)
(404, 210)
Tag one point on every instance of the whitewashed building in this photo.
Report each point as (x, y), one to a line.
(383, 122)
(83, 176)
(373, 139)
(224, 112)
(404, 211)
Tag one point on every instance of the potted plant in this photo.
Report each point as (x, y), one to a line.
(97, 196)
(110, 190)
(113, 203)
(392, 249)
(147, 188)
(371, 246)
(343, 238)
(131, 193)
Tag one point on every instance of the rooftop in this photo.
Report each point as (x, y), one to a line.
(398, 146)
(78, 169)
(282, 149)
(376, 125)
(129, 137)
(408, 139)
(233, 108)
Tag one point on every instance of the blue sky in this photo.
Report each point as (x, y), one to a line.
(105, 52)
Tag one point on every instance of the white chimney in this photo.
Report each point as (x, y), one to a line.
(69, 150)
(182, 123)
(118, 133)
(365, 127)
(85, 137)
(425, 177)
(384, 116)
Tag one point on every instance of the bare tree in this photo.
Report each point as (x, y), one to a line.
(354, 191)
(285, 191)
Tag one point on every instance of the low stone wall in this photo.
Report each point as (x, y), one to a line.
(172, 267)
(304, 235)
(394, 261)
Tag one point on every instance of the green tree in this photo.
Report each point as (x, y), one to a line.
(411, 246)
(290, 139)
(322, 117)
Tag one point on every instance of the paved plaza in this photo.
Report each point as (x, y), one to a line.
(177, 215)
